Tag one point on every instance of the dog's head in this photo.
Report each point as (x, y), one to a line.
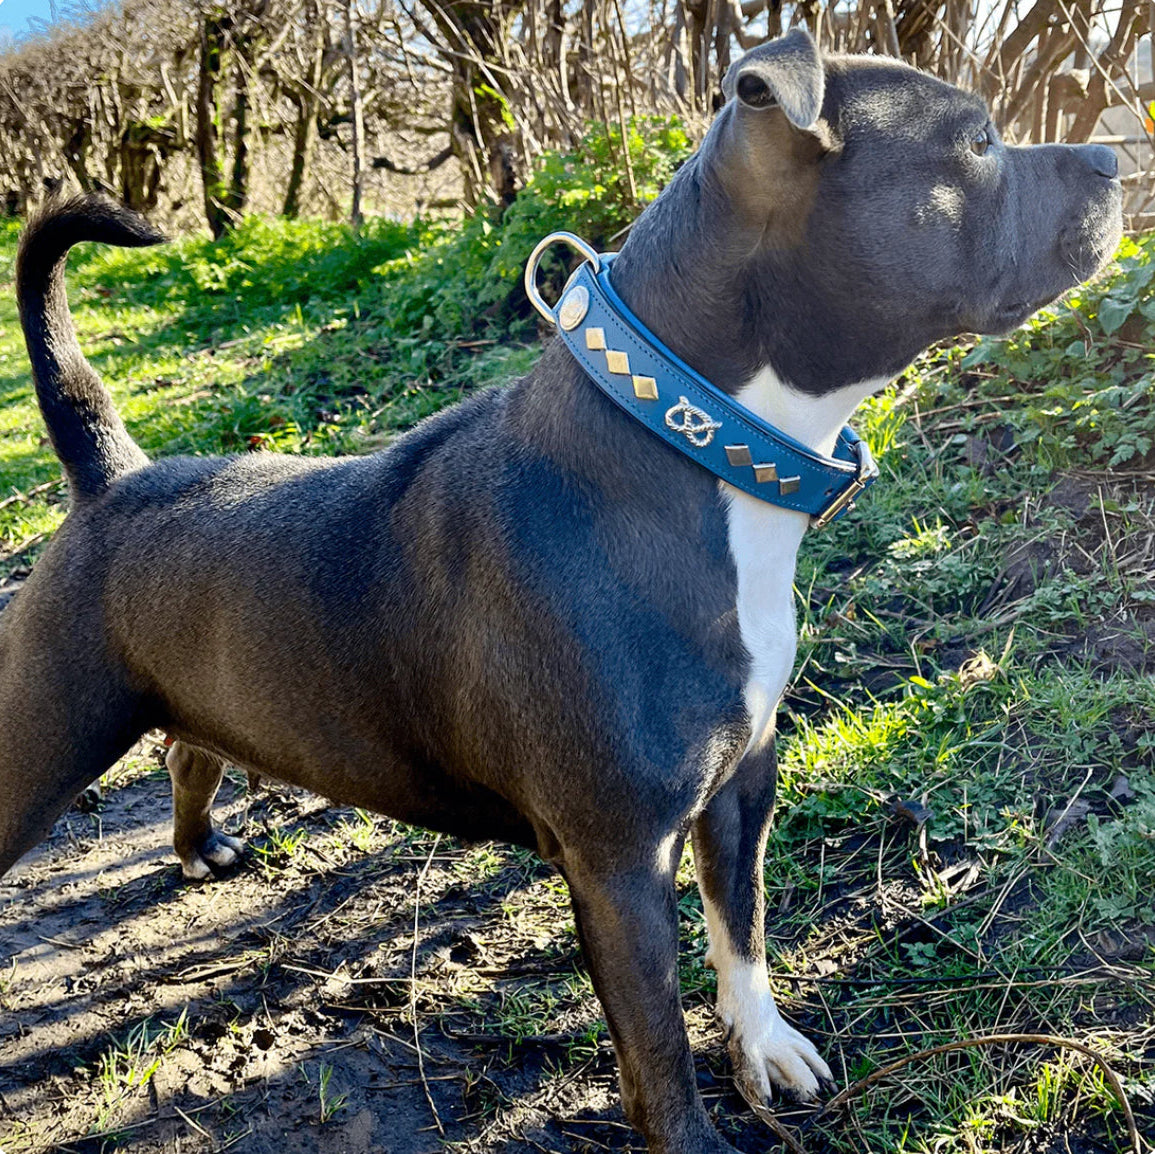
(851, 211)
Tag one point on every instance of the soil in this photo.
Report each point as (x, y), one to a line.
(294, 969)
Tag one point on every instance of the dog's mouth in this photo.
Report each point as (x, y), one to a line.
(1087, 246)
(1008, 317)
(1000, 320)
(1084, 250)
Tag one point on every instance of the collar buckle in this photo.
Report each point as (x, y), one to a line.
(843, 502)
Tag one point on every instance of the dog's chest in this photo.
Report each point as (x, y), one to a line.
(764, 541)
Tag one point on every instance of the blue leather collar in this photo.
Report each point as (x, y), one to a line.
(636, 371)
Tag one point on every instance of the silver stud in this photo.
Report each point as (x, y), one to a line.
(574, 307)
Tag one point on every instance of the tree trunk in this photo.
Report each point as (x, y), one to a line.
(214, 36)
(351, 18)
(223, 38)
(237, 193)
(587, 91)
(305, 130)
(485, 137)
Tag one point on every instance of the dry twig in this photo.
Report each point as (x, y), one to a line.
(413, 987)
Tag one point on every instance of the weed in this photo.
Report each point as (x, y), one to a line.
(280, 846)
(329, 1104)
(127, 1065)
(361, 831)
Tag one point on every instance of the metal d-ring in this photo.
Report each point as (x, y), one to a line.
(574, 242)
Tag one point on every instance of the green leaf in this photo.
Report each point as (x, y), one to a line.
(981, 354)
(1113, 312)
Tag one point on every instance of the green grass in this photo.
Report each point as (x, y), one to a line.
(127, 1065)
(976, 648)
(289, 363)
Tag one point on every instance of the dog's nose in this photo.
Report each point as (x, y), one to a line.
(1100, 158)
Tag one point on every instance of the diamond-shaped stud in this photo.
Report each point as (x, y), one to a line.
(645, 388)
(765, 473)
(739, 455)
(595, 338)
(617, 362)
(789, 485)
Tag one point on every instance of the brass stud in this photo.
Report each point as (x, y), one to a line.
(789, 485)
(645, 388)
(595, 338)
(765, 473)
(739, 455)
(617, 362)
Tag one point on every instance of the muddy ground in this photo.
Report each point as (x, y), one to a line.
(274, 1008)
(298, 969)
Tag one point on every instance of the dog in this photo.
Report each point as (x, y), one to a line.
(530, 619)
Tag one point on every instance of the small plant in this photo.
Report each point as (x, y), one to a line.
(281, 846)
(361, 832)
(129, 1064)
(329, 1103)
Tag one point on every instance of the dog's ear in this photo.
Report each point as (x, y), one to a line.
(764, 148)
(784, 73)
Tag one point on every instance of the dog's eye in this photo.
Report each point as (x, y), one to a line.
(980, 142)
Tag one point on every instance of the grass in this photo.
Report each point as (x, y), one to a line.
(205, 355)
(329, 1103)
(965, 840)
(128, 1064)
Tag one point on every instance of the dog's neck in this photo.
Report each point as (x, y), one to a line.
(683, 276)
(814, 421)
(764, 540)
(692, 282)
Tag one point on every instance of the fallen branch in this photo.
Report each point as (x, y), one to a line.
(20, 498)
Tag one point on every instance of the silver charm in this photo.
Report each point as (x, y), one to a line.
(696, 425)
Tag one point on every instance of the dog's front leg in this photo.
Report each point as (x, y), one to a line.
(627, 919)
(729, 842)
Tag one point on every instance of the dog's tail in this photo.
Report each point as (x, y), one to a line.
(86, 431)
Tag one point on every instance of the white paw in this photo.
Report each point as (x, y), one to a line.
(767, 1051)
(217, 850)
(194, 868)
(223, 850)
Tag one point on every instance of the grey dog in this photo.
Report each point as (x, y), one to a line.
(529, 619)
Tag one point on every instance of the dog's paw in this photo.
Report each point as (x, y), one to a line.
(766, 1052)
(216, 852)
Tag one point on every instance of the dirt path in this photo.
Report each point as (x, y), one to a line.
(273, 1007)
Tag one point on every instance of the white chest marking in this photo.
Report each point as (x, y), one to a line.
(764, 540)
